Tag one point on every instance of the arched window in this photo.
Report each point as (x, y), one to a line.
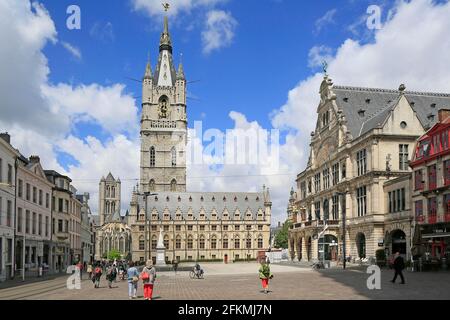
(178, 242)
(151, 185)
(190, 243)
(154, 242)
(174, 156)
(225, 243)
(108, 192)
(166, 242)
(152, 157)
(113, 192)
(173, 185)
(237, 243)
(260, 242)
(141, 243)
(202, 242)
(248, 243)
(107, 207)
(113, 207)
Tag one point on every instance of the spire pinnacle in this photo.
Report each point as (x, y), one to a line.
(180, 73)
(148, 69)
(165, 43)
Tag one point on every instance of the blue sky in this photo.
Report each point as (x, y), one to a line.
(66, 96)
(267, 57)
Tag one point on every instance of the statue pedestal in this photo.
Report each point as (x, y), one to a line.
(160, 256)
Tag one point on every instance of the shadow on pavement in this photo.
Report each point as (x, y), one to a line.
(419, 285)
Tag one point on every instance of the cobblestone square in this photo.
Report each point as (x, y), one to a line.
(240, 282)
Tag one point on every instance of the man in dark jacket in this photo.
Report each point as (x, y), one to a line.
(399, 265)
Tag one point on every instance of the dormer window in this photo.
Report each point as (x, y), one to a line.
(345, 99)
(433, 105)
(368, 101)
(167, 199)
(257, 199)
(431, 117)
(246, 199)
(179, 199)
(235, 199)
(201, 199)
(213, 199)
(361, 113)
(190, 199)
(224, 199)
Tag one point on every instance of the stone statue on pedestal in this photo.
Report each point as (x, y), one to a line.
(160, 251)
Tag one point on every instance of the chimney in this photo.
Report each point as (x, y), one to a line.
(444, 114)
(5, 136)
(35, 159)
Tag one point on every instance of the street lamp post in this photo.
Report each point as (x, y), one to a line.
(344, 218)
(146, 249)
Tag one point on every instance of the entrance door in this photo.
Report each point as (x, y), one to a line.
(361, 244)
(399, 242)
(225, 259)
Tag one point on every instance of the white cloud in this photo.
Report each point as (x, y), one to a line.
(103, 31)
(219, 30)
(326, 19)
(154, 7)
(391, 60)
(40, 115)
(318, 54)
(74, 51)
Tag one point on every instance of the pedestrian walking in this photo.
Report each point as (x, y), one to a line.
(148, 276)
(111, 275)
(399, 265)
(89, 271)
(175, 265)
(133, 279)
(265, 275)
(80, 268)
(97, 275)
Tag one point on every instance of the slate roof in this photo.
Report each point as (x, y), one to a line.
(218, 201)
(377, 104)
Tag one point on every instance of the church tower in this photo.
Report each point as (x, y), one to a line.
(163, 123)
(109, 198)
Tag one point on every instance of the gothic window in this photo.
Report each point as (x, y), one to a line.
(178, 242)
(237, 243)
(213, 243)
(173, 185)
(166, 242)
(154, 242)
(141, 243)
(260, 242)
(152, 157)
(163, 108)
(152, 185)
(107, 207)
(108, 193)
(174, 157)
(202, 242)
(190, 242)
(113, 192)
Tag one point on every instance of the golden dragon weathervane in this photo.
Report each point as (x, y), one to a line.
(166, 6)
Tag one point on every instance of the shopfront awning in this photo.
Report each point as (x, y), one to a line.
(436, 235)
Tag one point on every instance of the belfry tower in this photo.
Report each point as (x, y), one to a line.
(163, 123)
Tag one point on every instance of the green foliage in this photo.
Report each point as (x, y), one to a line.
(114, 254)
(282, 236)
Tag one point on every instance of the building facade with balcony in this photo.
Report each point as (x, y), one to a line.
(364, 137)
(61, 219)
(431, 191)
(34, 244)
(8, 159)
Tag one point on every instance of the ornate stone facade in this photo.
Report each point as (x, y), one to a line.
(363, 140)
(112, 231)
(196, 226)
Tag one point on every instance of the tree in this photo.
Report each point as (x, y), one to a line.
(282, 236)
(114, 254)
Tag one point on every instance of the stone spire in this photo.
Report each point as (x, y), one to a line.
(180, 73)
(148, 70)
(165, 43)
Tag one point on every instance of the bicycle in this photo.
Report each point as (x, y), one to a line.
(196, 274)
(318, 265)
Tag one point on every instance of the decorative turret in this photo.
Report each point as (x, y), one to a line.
(148, 71)
(180, 73)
